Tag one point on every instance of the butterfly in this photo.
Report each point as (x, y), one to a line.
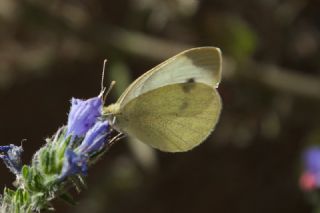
(174, 106)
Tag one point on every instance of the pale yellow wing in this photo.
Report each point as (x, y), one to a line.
(201, 64)
(172, 118)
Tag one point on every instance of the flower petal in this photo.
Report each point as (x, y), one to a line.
(74, 164)
(12, 157)
(83, 115)
(311, 158)
(95, 139)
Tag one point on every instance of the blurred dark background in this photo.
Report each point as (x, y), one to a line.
(51, 51)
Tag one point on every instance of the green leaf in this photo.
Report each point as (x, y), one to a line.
(18, 197)
(9, 193)
(60, 153)
(52, 162)
(25, 172)
(38, 182)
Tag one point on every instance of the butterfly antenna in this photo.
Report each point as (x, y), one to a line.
(109, 89)
(103, 92)
(102, 77)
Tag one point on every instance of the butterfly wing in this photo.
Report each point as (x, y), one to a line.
(172, 118)
(202, 65)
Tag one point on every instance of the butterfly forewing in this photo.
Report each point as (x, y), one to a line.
(202, 65)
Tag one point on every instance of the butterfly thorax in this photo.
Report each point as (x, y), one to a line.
(112, 109)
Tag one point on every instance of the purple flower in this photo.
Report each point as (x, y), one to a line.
(310, 178)
(6, 148)
(84, 122)
(311, 159)
(83, 115)
(74, 164)
(11, 155)
(95, 138)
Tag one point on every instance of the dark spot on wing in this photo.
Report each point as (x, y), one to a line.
(190, 80)
(187, 87)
